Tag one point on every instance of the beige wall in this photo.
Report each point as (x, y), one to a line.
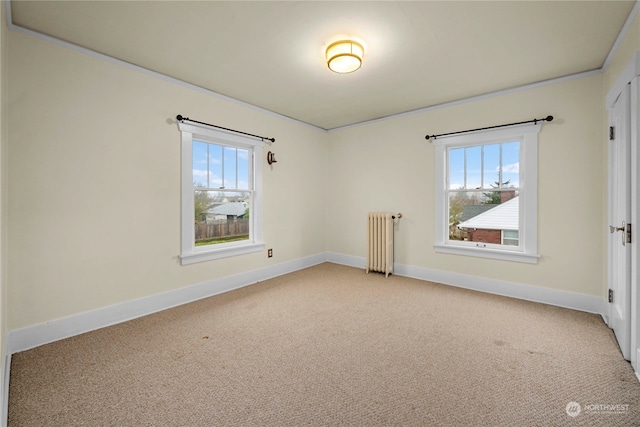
(94, 183)
(3, 180)
(93, 201)
(388, 166)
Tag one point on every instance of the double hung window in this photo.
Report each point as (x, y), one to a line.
(486, 193)
(221, 194)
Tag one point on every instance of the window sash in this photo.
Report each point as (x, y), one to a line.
(482, 166)
(190, 253)
(228, 168)
(526, 251)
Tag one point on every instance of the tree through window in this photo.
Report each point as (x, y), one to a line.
(221, 194)
(481, 178)
(485, 206)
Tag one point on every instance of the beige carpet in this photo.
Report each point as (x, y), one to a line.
(333, 346)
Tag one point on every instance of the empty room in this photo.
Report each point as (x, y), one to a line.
(322, 213)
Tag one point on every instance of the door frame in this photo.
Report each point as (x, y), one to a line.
(618, 216)
(630, 75)
(635, 218)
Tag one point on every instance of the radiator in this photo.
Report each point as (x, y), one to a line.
(380, 243)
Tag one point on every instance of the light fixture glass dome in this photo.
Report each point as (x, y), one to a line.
(344, 56)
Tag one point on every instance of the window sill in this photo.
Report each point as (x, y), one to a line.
(488, 253)
(211, 254)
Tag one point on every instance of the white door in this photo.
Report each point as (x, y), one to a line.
(619, 250)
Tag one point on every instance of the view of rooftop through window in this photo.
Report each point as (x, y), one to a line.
(222, 193)
(483, 188)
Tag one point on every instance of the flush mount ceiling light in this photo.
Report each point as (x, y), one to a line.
(344, 56)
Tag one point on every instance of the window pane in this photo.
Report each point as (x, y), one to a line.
(483, 216)
(462, 204)
(243, 169)
(456, 169)
(215, 166)
(221, 216)
(491, 173)
(474, 167)
(510, 237)
(230, 167)
(511, 164)
(199, 150)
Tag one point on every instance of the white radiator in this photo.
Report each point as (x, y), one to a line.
(380, 243)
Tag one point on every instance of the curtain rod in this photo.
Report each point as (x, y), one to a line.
(534, 121)
(182, 119)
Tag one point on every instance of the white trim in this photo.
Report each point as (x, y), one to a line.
(619, 209)
(190, 254)
(220, 253)
(555, 297)
(146, 71)
(200, 89)
(488, 253)
(630, 76)
(635, 220)
(630, 71)
(33, 336)
(621, 35)
(7, 8)
(527, 250)
(475, 98)
(54, 330)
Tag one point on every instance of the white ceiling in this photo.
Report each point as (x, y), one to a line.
(271, 54)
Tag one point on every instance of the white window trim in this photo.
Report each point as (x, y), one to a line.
(190, 253)
(527, 251)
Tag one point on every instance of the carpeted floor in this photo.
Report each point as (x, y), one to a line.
(333, 346)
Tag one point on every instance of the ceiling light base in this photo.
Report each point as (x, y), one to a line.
(344, 56)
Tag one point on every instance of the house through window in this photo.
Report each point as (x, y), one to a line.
(485, 206)
(482, 178)
(221, 194)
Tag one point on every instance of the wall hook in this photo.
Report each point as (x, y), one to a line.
(271, 157)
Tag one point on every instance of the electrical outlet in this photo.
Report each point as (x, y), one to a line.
(269, 253)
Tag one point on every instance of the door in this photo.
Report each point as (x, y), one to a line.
(619, 249)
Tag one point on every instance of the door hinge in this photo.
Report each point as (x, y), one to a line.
(628, 233)
(612, 133)
(610, 295)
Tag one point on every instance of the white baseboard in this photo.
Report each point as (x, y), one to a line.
(54, 330)
(34, 336)
(566, 299)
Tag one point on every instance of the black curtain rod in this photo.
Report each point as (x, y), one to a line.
(534, 121)
(182, 119)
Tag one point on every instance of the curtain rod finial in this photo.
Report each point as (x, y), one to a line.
(549, 118)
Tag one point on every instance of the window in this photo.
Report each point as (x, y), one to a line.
(221, 194)
(510, 237)
(486, 193)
